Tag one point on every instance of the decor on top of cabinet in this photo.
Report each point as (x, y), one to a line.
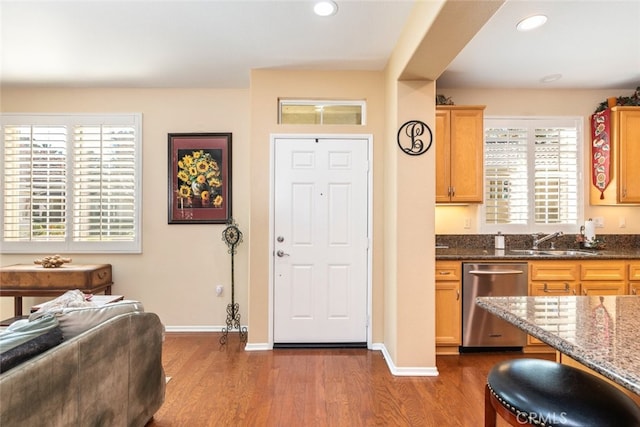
(443, 100)
(629, 101)
(601, 139)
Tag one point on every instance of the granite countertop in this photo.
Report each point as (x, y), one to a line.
(463, 253)
(601, 332)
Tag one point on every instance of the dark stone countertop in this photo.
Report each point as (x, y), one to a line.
(601, 332)
(466, 254)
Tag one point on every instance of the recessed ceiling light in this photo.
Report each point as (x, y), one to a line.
(531, 22)
(551, 78)
(325, 8)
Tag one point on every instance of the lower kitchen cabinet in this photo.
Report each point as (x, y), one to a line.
(634, 278)
(448, 306)
(546, 278)
(603, 278)
(551, 278)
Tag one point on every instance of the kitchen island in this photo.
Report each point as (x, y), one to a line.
(599, 332)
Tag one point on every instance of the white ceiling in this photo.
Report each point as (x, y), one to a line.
(594, 44)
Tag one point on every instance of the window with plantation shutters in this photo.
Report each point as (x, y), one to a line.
(70, 183)
(532, 175)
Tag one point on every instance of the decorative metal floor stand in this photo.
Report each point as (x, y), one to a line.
(232, 236)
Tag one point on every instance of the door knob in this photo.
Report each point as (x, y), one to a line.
(281, 253)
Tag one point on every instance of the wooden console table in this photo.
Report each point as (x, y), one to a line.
(31, 280)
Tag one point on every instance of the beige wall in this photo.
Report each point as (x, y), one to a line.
(450, 220)
(414, 231)
(176, 274)
(433, 35)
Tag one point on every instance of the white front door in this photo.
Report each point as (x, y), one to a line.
(320, 240)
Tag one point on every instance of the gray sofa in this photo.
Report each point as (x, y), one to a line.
(110, 375)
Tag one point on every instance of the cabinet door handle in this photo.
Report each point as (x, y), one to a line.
(556, 291)
(457, 294)
(634, 292)
(444, 273)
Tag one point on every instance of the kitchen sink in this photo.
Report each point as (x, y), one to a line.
(568, 253)
(553, 252)
(526, 251)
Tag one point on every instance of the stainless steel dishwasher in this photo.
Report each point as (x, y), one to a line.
(481, 329)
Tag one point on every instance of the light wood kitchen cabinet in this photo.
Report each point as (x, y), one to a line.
(459, 138)
(634, 278)
(448, 306)
(551, 278)
(603, 278)
(624, 186)
(554, 271)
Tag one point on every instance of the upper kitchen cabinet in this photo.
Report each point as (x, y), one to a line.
(624, 185)
(459, 160)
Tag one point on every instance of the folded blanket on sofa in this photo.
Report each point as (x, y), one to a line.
(25, 351)
(23, 330)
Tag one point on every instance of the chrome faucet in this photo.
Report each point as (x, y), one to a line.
(537, 239)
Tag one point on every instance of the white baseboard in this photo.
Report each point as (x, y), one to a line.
(198, 328)
(258, 347)
(409, 371)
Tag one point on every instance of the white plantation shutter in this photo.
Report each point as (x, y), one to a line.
(506, 180)
(71, 183)
(35, 183)
(556, 176)
(532, 175)
(104, 192)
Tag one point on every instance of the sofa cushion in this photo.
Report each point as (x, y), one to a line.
(74, 321)
(25, 351)
(23, 330)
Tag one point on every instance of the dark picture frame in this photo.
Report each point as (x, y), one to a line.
(199, 178)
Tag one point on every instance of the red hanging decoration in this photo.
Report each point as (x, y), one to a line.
(600, 149)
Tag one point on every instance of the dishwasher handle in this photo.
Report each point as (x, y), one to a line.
(494, 272)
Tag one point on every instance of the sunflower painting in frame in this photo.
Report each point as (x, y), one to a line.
(199, 178)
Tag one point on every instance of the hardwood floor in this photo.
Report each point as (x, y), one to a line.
(214, 386)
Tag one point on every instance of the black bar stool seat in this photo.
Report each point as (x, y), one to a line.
(544, 393)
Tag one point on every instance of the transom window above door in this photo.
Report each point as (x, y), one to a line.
(321, 112)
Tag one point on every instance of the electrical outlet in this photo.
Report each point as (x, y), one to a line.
(467, 223)
(622, 222)
(598, 222)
